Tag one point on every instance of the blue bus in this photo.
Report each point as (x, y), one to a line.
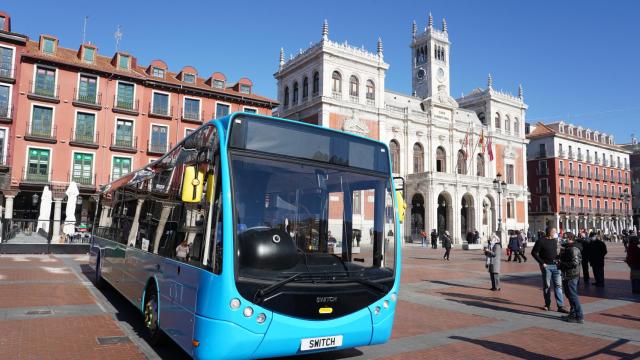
(256, 237)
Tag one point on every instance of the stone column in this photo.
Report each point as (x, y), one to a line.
(8, 207)
(57, 215)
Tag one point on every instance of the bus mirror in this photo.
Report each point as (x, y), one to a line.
(210, 187)
(192, 184)
(402, 206)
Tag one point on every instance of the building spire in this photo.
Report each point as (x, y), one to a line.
(520, 92)
(430, 25)
(281, 58)
(444, 25)
(325, 30)
(380, 46)
(489, 81)
(414, 29)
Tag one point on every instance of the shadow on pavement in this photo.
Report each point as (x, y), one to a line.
(507, 349)
(482, 303)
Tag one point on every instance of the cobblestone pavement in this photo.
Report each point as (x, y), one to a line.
(49, 309)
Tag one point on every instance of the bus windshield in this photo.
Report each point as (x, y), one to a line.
(296, 217)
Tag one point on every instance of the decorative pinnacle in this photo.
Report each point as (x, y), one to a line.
(379, 46)
(489, 81)
(414, 29)
(444, 25)
(430, 20)
(520, 92)
(325, 30)
(281, 57)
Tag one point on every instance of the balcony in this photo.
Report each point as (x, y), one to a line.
(124, 145)
(192, 116)
(157, 148)
(563, 190)
(87, 99)
(572, 172)
(606, 177)
(543, 171)
(354, 99)
(6, 113)
(337, 95)
(589, 159)
(44, 92)
(571, 155)
(84, 140)
(605, 162)
(604, 193)
(35, 175)
(596, 161)
(562, 154)
(580, 173)
(572, 191)
(82, 181)
(614, 195)
(7, 73)
(371, 102)
(579, 157)
(580, 192)
(124, 106)
(162, 112)
(41, 133)
(561, 171)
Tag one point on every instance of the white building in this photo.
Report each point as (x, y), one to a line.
(449, 180)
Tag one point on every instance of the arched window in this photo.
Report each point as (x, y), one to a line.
(354, 84)
(286, 96)
(507, 124)
(337, 83)
(371, 90)
(462, 162)
(441, 159)
(305, 88)
(316, 83)
(516, 126)
(418, 158)
(480, 165)
(394, 147)
(294, 100)
(497, 122)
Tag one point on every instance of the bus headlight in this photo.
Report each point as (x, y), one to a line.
(394, 297)
(385, 304)
(377, 310)
(235, 304)
(261, 318)
(248, 311)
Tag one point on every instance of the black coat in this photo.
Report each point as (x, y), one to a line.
(570, 260)
(597, 252)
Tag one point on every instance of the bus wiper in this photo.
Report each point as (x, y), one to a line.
(374, 285)
(260, 294)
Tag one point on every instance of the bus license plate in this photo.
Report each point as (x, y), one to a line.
(320, 342)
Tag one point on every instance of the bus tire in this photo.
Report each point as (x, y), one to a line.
(151, 315)
(98, 280)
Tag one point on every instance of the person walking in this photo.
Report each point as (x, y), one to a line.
(493, 253)
(633, 260)
(423, 237)
(434, 239)
(597, 252)
(522, 243)
(514, 248)
(545, 251)
(569, 264)
(446, 244)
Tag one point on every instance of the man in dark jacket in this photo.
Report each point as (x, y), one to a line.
(545, 251)
(446, 244)
(434, 239)
(597, 252)
(514, 247)
(570, 259)
(584, 244)
(522, 243)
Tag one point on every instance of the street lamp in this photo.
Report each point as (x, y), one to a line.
(499, 186)
(625, 196)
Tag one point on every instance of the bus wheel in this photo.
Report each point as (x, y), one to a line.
(151, 315)
(99, 282)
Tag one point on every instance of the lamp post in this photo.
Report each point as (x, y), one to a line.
(499, 186)
(625, 196)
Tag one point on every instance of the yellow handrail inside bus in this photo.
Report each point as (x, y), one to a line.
(401, 205)
(192, 185)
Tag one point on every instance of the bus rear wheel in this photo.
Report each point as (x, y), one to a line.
(151, 316)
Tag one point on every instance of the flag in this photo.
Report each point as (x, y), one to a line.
(481, 142)
(490, 146)
(466, 144)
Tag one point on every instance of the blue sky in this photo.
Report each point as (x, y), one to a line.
(577, 60)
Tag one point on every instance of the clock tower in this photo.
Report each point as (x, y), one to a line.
(430, 60)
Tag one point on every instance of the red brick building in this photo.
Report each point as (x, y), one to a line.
(78, 115)
(578, 178)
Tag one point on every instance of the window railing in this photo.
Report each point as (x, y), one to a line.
(124, 143)
(82, 137)
(572, 172)
(160, 110)
(45, 131)
(571, 156)
(192, 115)
(82, 179)
(337, 95)
(354, 98)
(6, 112)
(7, 71)
(562, 154)
(46, 90)
(563, 190)
(579, 157)
(36, 175)
(125, 104)
(542, 154)
(87, 97)
(561, 171)
(157, 147)
(371, 102)
(596, 161)
(543, 171)
(572, 191)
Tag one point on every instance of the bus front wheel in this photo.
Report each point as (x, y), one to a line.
(151, 315)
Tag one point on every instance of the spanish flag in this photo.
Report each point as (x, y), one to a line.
(481, 142)
(490, 146)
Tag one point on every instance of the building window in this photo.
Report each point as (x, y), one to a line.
(5, 96)
(88, 89)
(41, 121)
(418, 158)
(83, 168)
(354, 86)
(160, 104)
(294, 100)
(191, 109)
(189, 78)
(516, 126)
(462, 162)
(245, 89)
(497, 121)
(222, 110)
(3, 22)
(123, 61)
(357, 202)
(121, 167)
(544, 186)
(157, 72)
(337, 83)
(188, 132)
(89, 54)
(371, 90)
(316, 83)
(6, 62)
(394, 147)
(441, 160)
(124, 99)
(218, 84)
(38, 165)
(45, 82)
(159, 137)
(480, 165)
(250, 110)
(48, 45)
(286, 96)
(124, 133)
(510, 174)
(507, 124)
(85, 127)
(511, 209)
(305, 88)
(544, 204)
(3, 146)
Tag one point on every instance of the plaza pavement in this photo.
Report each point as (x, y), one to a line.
(49, 309)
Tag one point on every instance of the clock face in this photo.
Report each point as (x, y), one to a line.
(421, 74)
(440, 74)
